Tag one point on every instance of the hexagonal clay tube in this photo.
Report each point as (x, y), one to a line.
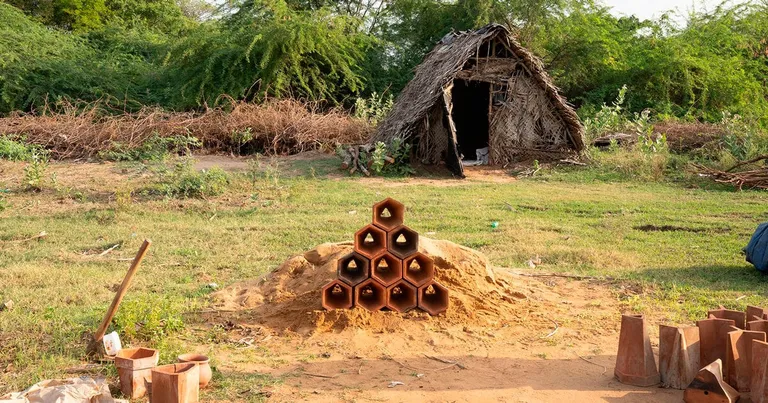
(401, 296)
(419, 269)
(353, 269)
(402, 242)
(371, 295)
(388, 214)
(433, 298)
(386, 268)
(337, 295)
(370, 241)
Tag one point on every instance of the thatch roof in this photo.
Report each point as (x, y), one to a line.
(440, 67)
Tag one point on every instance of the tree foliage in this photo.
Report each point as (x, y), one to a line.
(184, 54)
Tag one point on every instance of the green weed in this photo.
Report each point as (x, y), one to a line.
(156, 148)
(14, 149)
(184, 181)
(148, 319)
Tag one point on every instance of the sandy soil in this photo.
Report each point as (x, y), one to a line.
(500, 332)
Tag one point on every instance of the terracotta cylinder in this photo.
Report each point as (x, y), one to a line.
(759, 382)
(337, 295)
(678, 355)
(402, 242)
(353, 269)
(419, 269)
(386, 269)
(388, 214)
(433, 298)
(134, 367)
(176, 383)
(401, 296)
(739, 318)
(205, 367)
(713, 334)
(635, 364)
(371, 295)
(370, 241)
(738, 364)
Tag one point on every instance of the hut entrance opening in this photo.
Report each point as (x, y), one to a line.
(471, 100)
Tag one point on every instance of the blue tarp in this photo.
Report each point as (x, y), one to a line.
(757, 250)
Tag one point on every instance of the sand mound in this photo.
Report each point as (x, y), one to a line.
(289, 297)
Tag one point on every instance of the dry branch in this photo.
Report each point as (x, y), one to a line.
(754, 179)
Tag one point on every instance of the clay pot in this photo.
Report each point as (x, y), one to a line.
(202, 362)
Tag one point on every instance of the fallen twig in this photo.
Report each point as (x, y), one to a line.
(573, 276)
(593, 363)
(320, 375)
(444, 361)
(41, 235)
(552, 333)
(109, 250)
(411, 367)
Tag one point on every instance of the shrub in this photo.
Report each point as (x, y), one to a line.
(148, 319)
(17, 150)
(374, 108)
(34, 172)
(184, 181)
(156, 148)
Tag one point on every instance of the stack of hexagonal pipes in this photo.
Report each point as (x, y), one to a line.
(386, 270)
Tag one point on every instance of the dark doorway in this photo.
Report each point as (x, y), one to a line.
(470, 115)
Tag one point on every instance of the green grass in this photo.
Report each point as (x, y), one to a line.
(574, 221)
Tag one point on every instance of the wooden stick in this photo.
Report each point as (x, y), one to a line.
(122, 290)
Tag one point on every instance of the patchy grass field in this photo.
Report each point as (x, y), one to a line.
(677, 249)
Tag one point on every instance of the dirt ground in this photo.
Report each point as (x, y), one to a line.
(509, 338)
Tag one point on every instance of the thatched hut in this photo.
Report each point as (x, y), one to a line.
(481, 89)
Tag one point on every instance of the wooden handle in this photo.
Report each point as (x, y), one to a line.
(122, 290)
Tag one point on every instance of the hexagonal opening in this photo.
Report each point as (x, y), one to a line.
(353, 269)
(370, 241)
(433, 298)
(371, 295)
(388, 214)
(386, 268)
(402, 242)
(337, 295)
(419, 269)
(401, 297)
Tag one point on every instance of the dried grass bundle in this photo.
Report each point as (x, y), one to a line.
(277, 127)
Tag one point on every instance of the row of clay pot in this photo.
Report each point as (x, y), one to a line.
(173, 383)
(736, 359)
(386, 270)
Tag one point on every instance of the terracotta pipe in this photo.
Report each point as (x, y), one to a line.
(402, 242)
(753, 311)
(433, 298)
(709, 387)
(134, 367)
(759, 385)
(386, 269)
(738, 317)
(370, 241)
(401, 296)
(388, 214)
(419, 269)
(176, 383)
(738, 358)
(635, 364)
(713, 333)
(337, 295)
(371, 295)
(758, 325)
(353, 269)
(678, 355)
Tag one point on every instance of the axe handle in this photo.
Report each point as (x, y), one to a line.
(122, 290)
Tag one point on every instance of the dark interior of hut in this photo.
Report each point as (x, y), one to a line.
(470, 115)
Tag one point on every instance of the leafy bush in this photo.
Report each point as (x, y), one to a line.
(17, 150)
(148, 319)
(392, 159)
(34, 172)
(374, 108)
(184, 181)
(155, 149)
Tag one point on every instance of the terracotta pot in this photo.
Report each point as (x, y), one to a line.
(202, 362)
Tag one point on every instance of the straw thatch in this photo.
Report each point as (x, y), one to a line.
(531, 105)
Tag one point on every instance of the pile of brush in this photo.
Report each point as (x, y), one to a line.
(751, 179)
(275, 127)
